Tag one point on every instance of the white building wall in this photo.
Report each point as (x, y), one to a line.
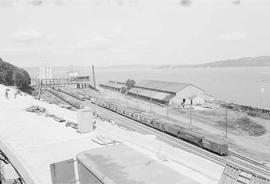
(198, 100)
(186, 93)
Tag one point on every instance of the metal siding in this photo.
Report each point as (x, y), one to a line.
(63, 172)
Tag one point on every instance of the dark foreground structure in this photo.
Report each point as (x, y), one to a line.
(120, 164)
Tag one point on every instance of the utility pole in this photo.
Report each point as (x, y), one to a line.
(137, 98)
(190, 115)
(226, 119)
(94, 78)
(151, 102)
(40, 89)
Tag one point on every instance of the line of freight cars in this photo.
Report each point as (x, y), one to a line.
(214, 145)
(65, 98)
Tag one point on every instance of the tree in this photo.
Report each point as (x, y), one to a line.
(27, 77)
(10, 74)
(2, 78)
(130, 83)
(21, 80)
(9, 78)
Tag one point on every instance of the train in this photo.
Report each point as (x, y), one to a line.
(179, 130)
(182, 131)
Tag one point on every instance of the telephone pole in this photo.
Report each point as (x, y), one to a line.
(94, 78)
(190, 115)
(151, 102)
(226, 119)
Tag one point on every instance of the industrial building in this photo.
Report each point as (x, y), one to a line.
(114, 86)
(168, 93)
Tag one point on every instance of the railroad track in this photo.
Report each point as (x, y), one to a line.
(128, 123)
(234, 159)
(247, 159)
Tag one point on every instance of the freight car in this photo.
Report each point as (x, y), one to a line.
(191, 136)
(159, 124)
(215, 145)
(73, 94)
(121, 109)
(179, 130)
(65, 98)
(146, 119)
(173, 130)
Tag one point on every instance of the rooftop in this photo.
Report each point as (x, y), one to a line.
(151, 94)
(113, 85)
(124, 165)
(172, 87)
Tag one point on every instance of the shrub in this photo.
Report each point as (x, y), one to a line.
(245, 124)
(253, 128)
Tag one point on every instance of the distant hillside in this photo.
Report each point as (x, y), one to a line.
(241, 62)
(261, 61)
(128, 67)
(11, 75)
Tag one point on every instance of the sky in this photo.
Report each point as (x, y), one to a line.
(128, 32)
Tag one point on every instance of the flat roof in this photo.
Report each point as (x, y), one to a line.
(121, 164)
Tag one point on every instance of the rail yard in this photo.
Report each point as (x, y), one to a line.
(192, 142)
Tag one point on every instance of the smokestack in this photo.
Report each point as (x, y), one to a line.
(94, 78)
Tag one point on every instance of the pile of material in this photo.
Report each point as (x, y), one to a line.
(72, 125)
(36, 109)
(56, 118)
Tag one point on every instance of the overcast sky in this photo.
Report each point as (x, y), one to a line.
(112, 32)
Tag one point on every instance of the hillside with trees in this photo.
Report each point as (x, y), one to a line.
(11, 75)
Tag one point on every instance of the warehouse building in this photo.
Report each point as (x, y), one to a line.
(114, 86)
(168, 93)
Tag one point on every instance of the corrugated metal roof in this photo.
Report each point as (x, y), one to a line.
(120, 164)
(113, 85)
(151, 94)
(172, 87)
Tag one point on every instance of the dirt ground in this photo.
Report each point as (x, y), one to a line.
(208, 119)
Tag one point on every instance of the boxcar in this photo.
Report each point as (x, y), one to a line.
(136, 116)
(120, 109)
(146, 119)
(173, 130)
(191, 136)
(106, 105)
(113, 107)
(159, 124)
(127, 111)
(215, 145)
(98, 102)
